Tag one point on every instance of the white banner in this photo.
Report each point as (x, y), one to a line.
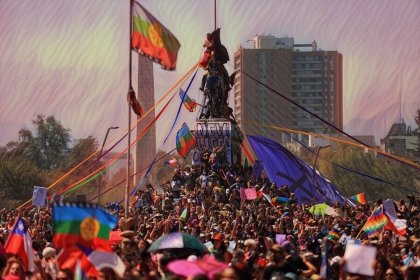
(211, 135)
(39, 196)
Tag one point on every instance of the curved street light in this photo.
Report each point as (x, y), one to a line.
(100, 154)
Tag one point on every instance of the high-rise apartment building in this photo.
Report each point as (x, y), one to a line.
(311, 78)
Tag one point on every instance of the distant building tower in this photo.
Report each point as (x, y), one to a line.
(401, 140)
(146, 147)
(311, 78)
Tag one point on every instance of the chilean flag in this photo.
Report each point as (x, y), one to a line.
(88, 262)
(19, 243)
(171, 162)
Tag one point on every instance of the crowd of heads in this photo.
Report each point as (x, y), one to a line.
(205, 201)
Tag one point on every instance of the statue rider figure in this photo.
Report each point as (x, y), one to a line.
(215, 83)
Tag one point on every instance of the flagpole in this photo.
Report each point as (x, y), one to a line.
(215, 5)
(127, 179)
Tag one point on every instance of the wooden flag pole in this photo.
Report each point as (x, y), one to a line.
(127, 179)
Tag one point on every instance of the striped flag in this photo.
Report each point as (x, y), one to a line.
(279, 200)
(360, 198)
(189, 103)
(185, 141)
(375, 222)
(152, 39)
(19, 243)
(82, 224)
(333, 234)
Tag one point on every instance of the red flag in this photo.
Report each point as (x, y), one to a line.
(135, 104)
(68, 258)
(398, 228)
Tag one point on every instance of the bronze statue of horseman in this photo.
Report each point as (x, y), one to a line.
(216, 83)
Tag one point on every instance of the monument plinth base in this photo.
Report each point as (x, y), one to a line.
(214, 133)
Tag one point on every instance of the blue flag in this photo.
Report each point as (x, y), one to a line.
(284, 168)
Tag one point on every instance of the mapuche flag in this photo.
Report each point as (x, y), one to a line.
(185, 141)
(82, 224)
(152, 39)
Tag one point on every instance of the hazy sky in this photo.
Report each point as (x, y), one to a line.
(69, 58)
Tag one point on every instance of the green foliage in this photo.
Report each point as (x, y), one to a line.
(40, 157)
(18, 176)
(370, 164)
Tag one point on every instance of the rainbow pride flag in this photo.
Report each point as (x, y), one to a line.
(333, 234)
(185, 141)
(87, 225)
(375, 222)
(189, 103)
(278, 200)
(360, 198)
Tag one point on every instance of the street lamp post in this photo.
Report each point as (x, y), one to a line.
(100, 154)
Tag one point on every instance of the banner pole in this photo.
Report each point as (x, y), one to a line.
(127, 179)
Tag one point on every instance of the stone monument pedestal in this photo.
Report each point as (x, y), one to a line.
(212, 133)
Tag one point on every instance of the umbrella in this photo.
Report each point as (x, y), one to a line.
(322, 209)
(177, 240)
(208, 266)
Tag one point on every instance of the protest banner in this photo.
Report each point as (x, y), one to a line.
(39, 196)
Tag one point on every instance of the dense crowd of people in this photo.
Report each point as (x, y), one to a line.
(205, 202)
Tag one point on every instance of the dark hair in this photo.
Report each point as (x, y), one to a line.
(396, 272)
(110, 273)
(68, 272)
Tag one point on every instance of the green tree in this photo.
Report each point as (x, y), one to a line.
(49, 147)
(367, 163)
(41, 156)
(18, 176)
